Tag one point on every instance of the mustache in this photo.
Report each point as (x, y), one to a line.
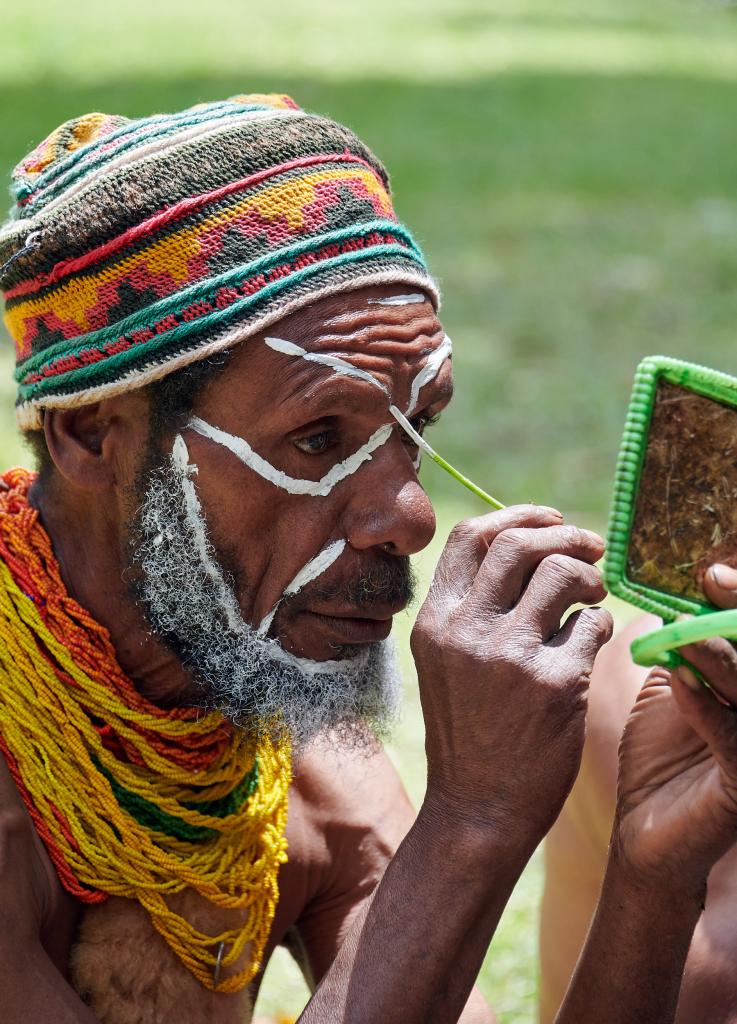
(387, 580)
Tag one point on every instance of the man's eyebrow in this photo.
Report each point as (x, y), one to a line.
(319, 396)
(335, 363)
(343, 370)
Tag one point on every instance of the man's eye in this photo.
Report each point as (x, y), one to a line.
(315, 444)
(421, 423)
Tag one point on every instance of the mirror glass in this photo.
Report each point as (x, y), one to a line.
(686, 509)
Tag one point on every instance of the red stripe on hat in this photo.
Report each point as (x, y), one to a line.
(171, 213)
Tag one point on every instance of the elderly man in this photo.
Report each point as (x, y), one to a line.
(222, 332)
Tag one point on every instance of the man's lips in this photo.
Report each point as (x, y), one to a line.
(351, 626)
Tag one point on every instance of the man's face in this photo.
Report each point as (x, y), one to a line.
(322, 573)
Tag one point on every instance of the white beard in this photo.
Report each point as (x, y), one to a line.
(189, 601)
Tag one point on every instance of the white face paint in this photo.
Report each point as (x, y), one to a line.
(227, 600)
(405, 424)
(399, 300)
(429, 371)
(242, 450)
(315, 488)
(191, 604)
(196, 523)
(335, 363)
(314, 568)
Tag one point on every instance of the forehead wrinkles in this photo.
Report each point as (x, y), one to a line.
(383, 348)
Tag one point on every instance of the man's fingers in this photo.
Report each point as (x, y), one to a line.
(583, 634)
(514, 556)
(720, 585)
(558, 582)
(470, 540)
(714, 723)
(716, 659)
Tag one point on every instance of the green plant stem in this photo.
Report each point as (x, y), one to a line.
(431, 453)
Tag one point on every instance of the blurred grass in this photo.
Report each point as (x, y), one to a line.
(569, 167)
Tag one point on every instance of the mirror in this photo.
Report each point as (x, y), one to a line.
(674, 510)
(685, 514)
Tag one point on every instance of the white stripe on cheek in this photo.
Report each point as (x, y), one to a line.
(315, 488)
(196, 522)
(429, 371)
(399, 300)
(335, 363)
(314, 568)
(317, 566)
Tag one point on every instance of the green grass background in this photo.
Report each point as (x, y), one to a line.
(570, 168)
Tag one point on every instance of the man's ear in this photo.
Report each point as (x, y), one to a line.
(78, 443)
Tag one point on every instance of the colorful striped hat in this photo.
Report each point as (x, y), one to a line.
(137, 247)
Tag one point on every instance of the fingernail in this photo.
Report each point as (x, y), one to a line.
(724, 576)
(688, 678)
(552, 511)
(596, 537)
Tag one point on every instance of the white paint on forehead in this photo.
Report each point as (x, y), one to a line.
(334, 362)
(399, 300)
(196, 523)
(429, 371)
(315, 488)
(314, 568)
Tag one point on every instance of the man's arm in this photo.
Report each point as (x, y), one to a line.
(577, 847)
(349, 812)
(676, 817)
(31, 985)
(503, 690)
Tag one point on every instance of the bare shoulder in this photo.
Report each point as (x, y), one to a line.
(31, 895)
(348, 813)
(349, 799)
(24, 885)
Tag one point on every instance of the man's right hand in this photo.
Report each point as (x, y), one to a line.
(503, 685)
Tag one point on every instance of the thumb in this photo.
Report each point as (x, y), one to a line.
(714, 722)
(720, 585)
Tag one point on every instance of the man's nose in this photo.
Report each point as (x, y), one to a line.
(390, 509)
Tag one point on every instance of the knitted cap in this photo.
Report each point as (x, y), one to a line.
(137, 247)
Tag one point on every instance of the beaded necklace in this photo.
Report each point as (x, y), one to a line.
(129, 799)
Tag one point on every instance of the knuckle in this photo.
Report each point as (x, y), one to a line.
(600, 622)
(470, 533)
(511, 542)
(562, 568)
(572, 677)
(576, 536)
(594, 630)
(464, 530)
